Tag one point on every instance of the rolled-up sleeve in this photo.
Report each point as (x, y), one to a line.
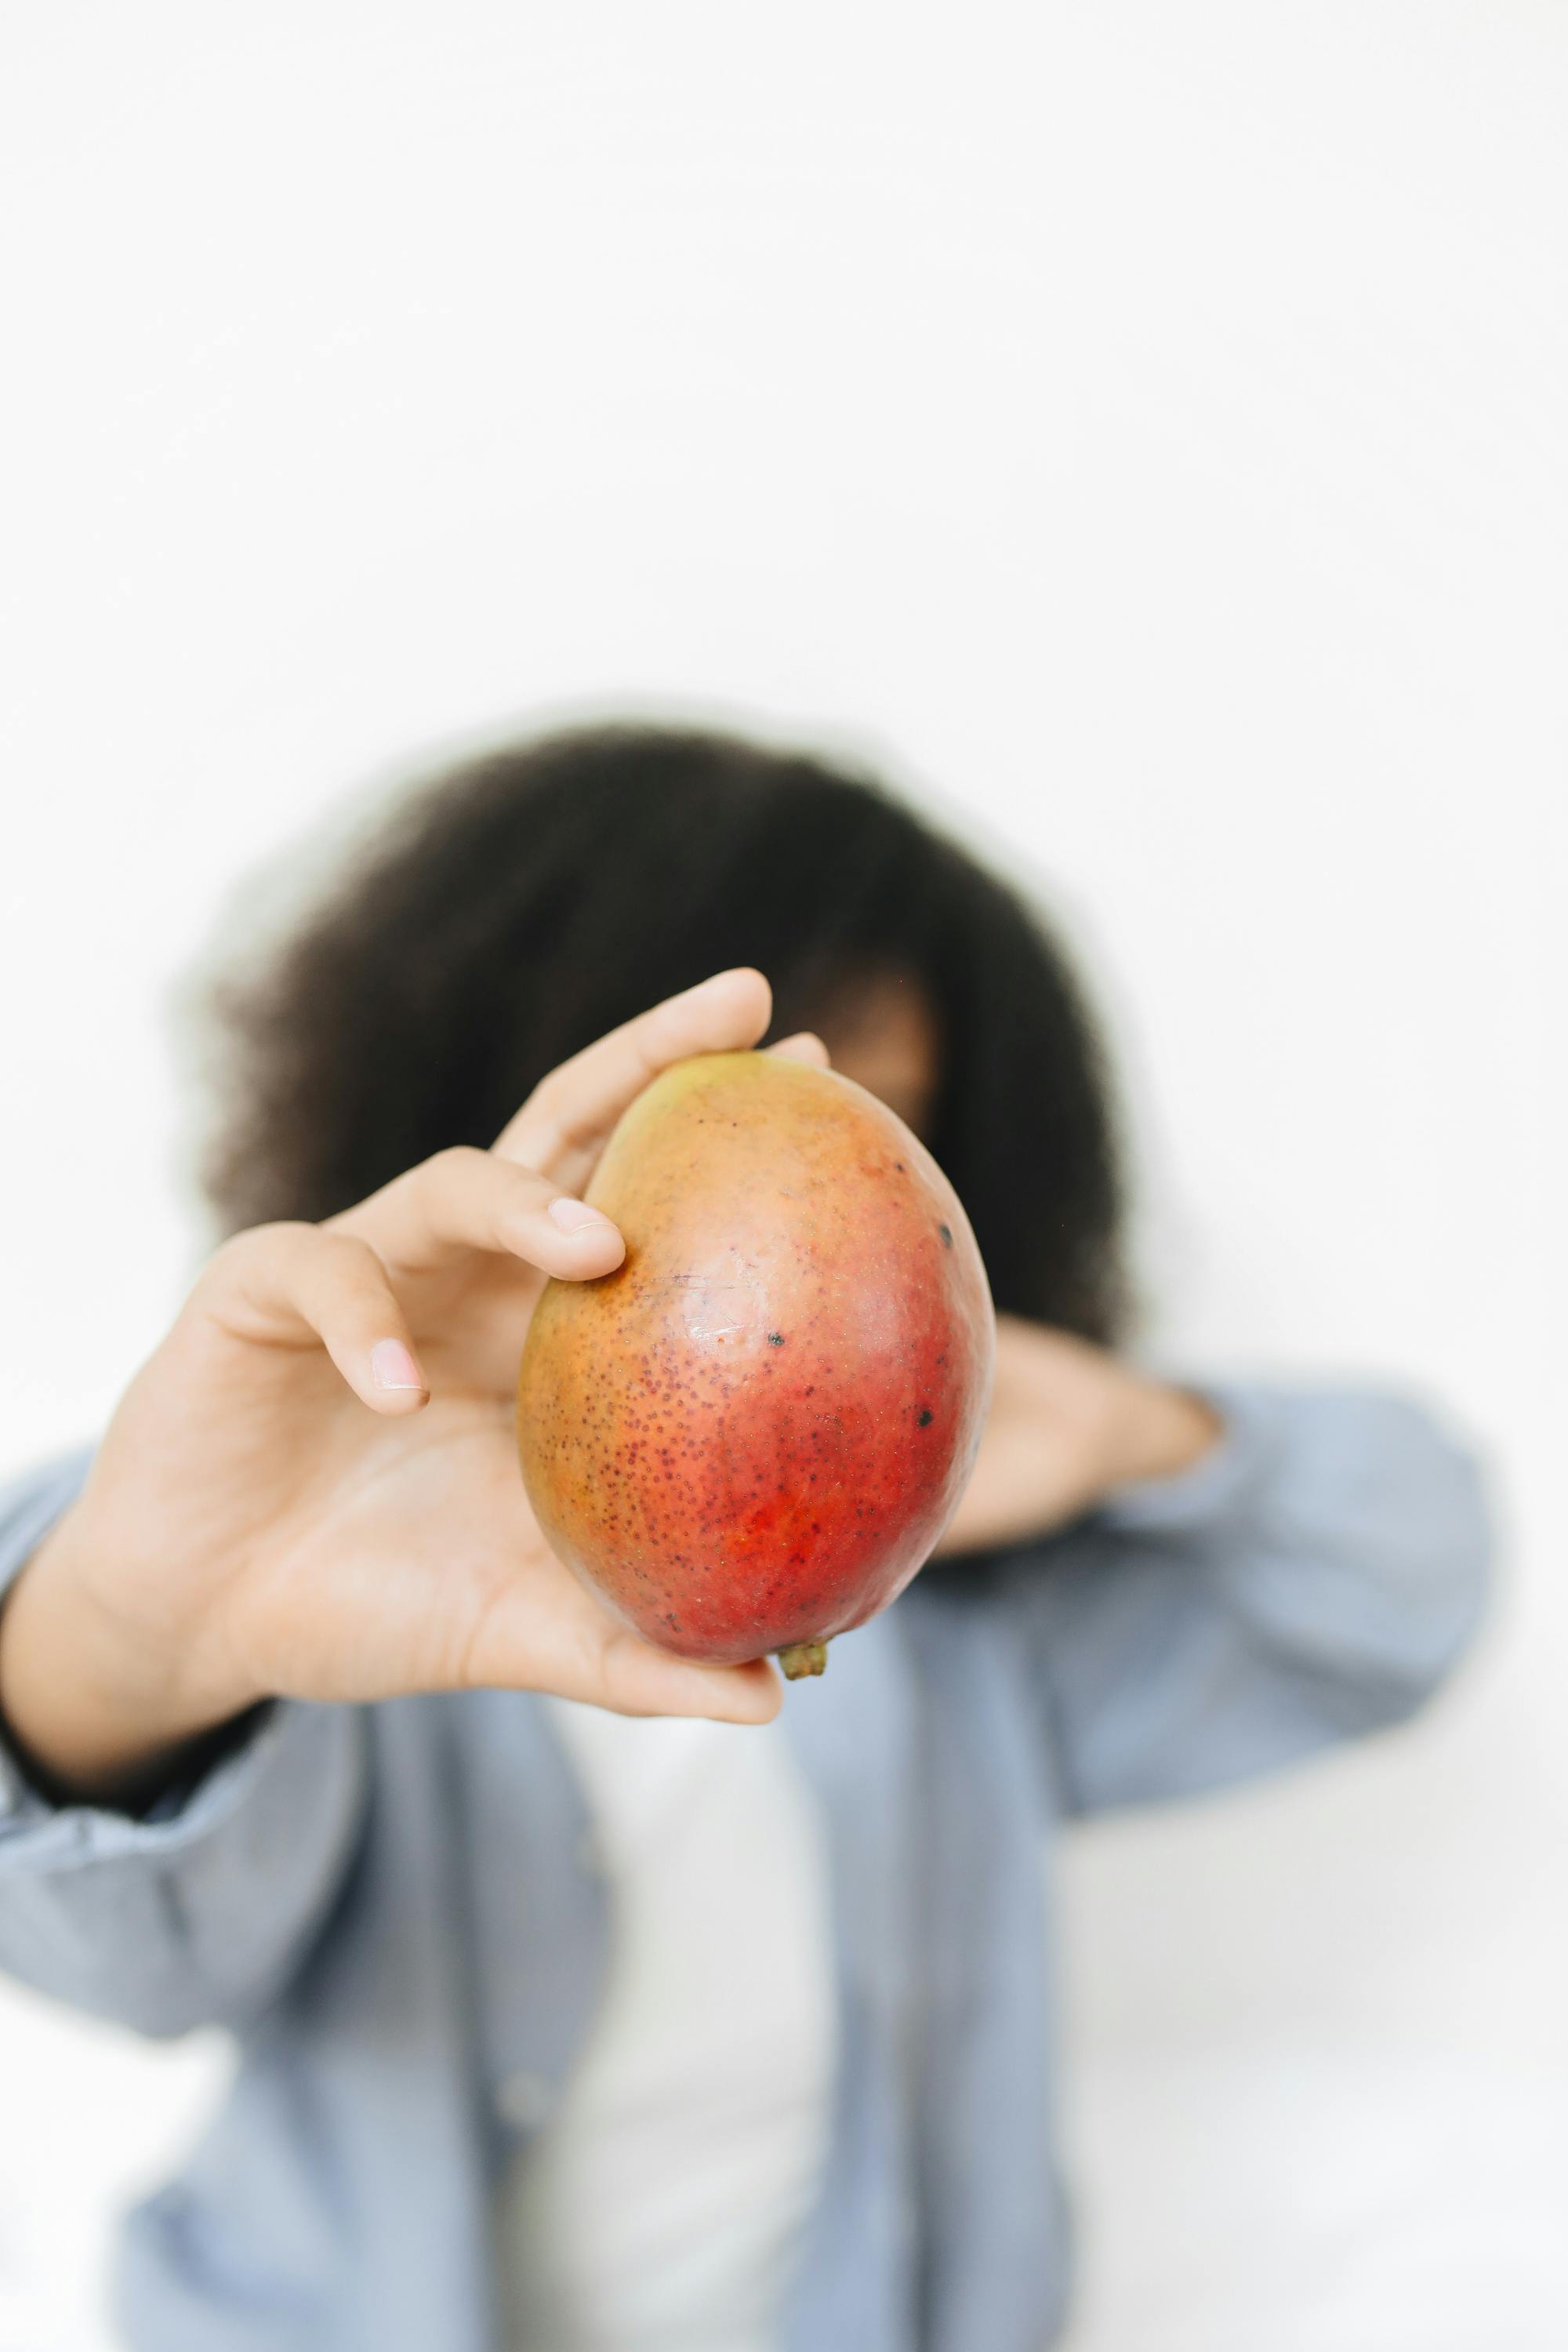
(199, 1912)
(1313, 1579)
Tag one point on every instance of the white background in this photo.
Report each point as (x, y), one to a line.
(1146, 427)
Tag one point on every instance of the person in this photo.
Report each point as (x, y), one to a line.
(585, 2001)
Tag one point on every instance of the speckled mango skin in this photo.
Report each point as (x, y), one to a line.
(754, 1433)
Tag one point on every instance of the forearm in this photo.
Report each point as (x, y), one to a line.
(198, 1911)
(202, 1912)
(97, 1710)
(1313, 1579)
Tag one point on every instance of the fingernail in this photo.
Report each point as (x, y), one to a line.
(392, 1366)
(574, 1216)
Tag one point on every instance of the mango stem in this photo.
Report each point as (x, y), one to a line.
(804, 1658)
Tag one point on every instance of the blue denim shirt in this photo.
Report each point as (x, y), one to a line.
(395, 1908)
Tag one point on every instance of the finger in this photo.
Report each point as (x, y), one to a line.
(464, 1201)
(297, 1286)
(805, 1046)
(640, 1680)
(575, 1650)
(569, 1113)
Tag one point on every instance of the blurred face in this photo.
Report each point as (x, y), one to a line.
(882, 1034)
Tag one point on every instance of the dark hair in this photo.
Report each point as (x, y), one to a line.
(526, 900)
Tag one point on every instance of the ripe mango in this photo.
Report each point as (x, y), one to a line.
(749, 1437)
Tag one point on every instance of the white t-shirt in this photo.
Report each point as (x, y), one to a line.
(660, 2207)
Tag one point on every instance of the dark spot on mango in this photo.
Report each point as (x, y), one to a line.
(946, 1233)
(926, 1416)
(776, 1338)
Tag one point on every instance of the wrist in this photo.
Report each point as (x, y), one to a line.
(1157, 1432)
(100, 1704)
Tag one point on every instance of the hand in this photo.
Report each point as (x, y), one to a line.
(312, 1488)
(1069, 1421)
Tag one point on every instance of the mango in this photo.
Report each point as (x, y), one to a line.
(750, 1436)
